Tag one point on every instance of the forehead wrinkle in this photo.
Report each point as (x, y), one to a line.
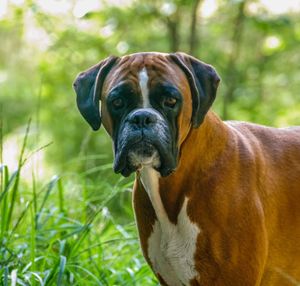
(137, 62)
(161, 74)
(159, 69)
(124, 71)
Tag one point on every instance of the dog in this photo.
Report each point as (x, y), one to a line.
(216, 203)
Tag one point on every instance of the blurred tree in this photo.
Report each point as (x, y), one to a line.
(236, 41)
(194, 35)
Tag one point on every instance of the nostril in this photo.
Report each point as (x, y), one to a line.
(147, 120)
(150, 118)
(135, 120)
(142, 119)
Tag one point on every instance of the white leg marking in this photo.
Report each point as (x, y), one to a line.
(171, 248)
(143, 80)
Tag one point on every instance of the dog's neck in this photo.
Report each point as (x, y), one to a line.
(209, 139)
(167, 194)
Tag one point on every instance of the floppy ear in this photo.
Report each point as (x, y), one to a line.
(203, 81)
(88, 86)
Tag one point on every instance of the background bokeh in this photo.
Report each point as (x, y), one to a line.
(253, 44)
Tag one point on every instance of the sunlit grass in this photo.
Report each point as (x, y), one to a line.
(63, 232)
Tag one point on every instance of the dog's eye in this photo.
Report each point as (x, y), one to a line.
(118, 103)
(170, 101)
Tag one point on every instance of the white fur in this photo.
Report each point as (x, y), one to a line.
(149, 178)
(137, 159)
(143, 81)
(171, 248)
(141, 161)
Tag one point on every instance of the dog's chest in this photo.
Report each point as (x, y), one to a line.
(171, 249)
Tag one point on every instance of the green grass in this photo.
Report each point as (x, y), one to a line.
(68, 231)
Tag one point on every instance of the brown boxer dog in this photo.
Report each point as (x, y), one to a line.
(216, 203)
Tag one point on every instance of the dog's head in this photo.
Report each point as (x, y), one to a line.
(149, 102)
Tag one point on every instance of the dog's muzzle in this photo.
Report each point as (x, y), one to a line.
(144, 139)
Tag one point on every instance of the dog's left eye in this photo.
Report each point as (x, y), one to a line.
(170, 101)
(118, 103)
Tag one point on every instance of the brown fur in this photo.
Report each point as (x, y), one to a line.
(243, 181)
(243, 185)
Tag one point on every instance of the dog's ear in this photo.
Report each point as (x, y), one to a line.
(88, 86)
(203, 81)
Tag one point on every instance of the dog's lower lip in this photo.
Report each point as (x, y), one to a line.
(144, 148)
(144, 144)
(120, 167)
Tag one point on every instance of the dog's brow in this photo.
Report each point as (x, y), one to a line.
(122, 87)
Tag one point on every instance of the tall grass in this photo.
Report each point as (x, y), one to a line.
(59, 233)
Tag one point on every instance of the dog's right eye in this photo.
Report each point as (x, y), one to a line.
(170, 101)
(118, 103)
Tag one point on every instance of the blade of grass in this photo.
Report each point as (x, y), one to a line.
(82, 236)
(3, 197)
(16, 184)
(50, 187)
(49, 279)
(22, 215)
(34, 195)
(7, 182)
(45, 259)
(6, 273)
(14, 277)
(38, 278)
(28, 266)
(37, 151)
(89, 273)
(1, 142)
(61, 196)
(62, 265)
(96, 169)
(111, 241)
(85, 230)
(33, 242)
(58, 268)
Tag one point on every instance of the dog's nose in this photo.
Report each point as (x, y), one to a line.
(142, 118)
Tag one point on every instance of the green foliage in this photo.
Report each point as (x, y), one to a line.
(59, 233)
(78, 227)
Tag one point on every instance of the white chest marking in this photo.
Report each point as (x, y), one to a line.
(143, 80)
(171, 248)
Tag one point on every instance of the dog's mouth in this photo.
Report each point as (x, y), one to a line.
(135, 155)
(143, 153)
